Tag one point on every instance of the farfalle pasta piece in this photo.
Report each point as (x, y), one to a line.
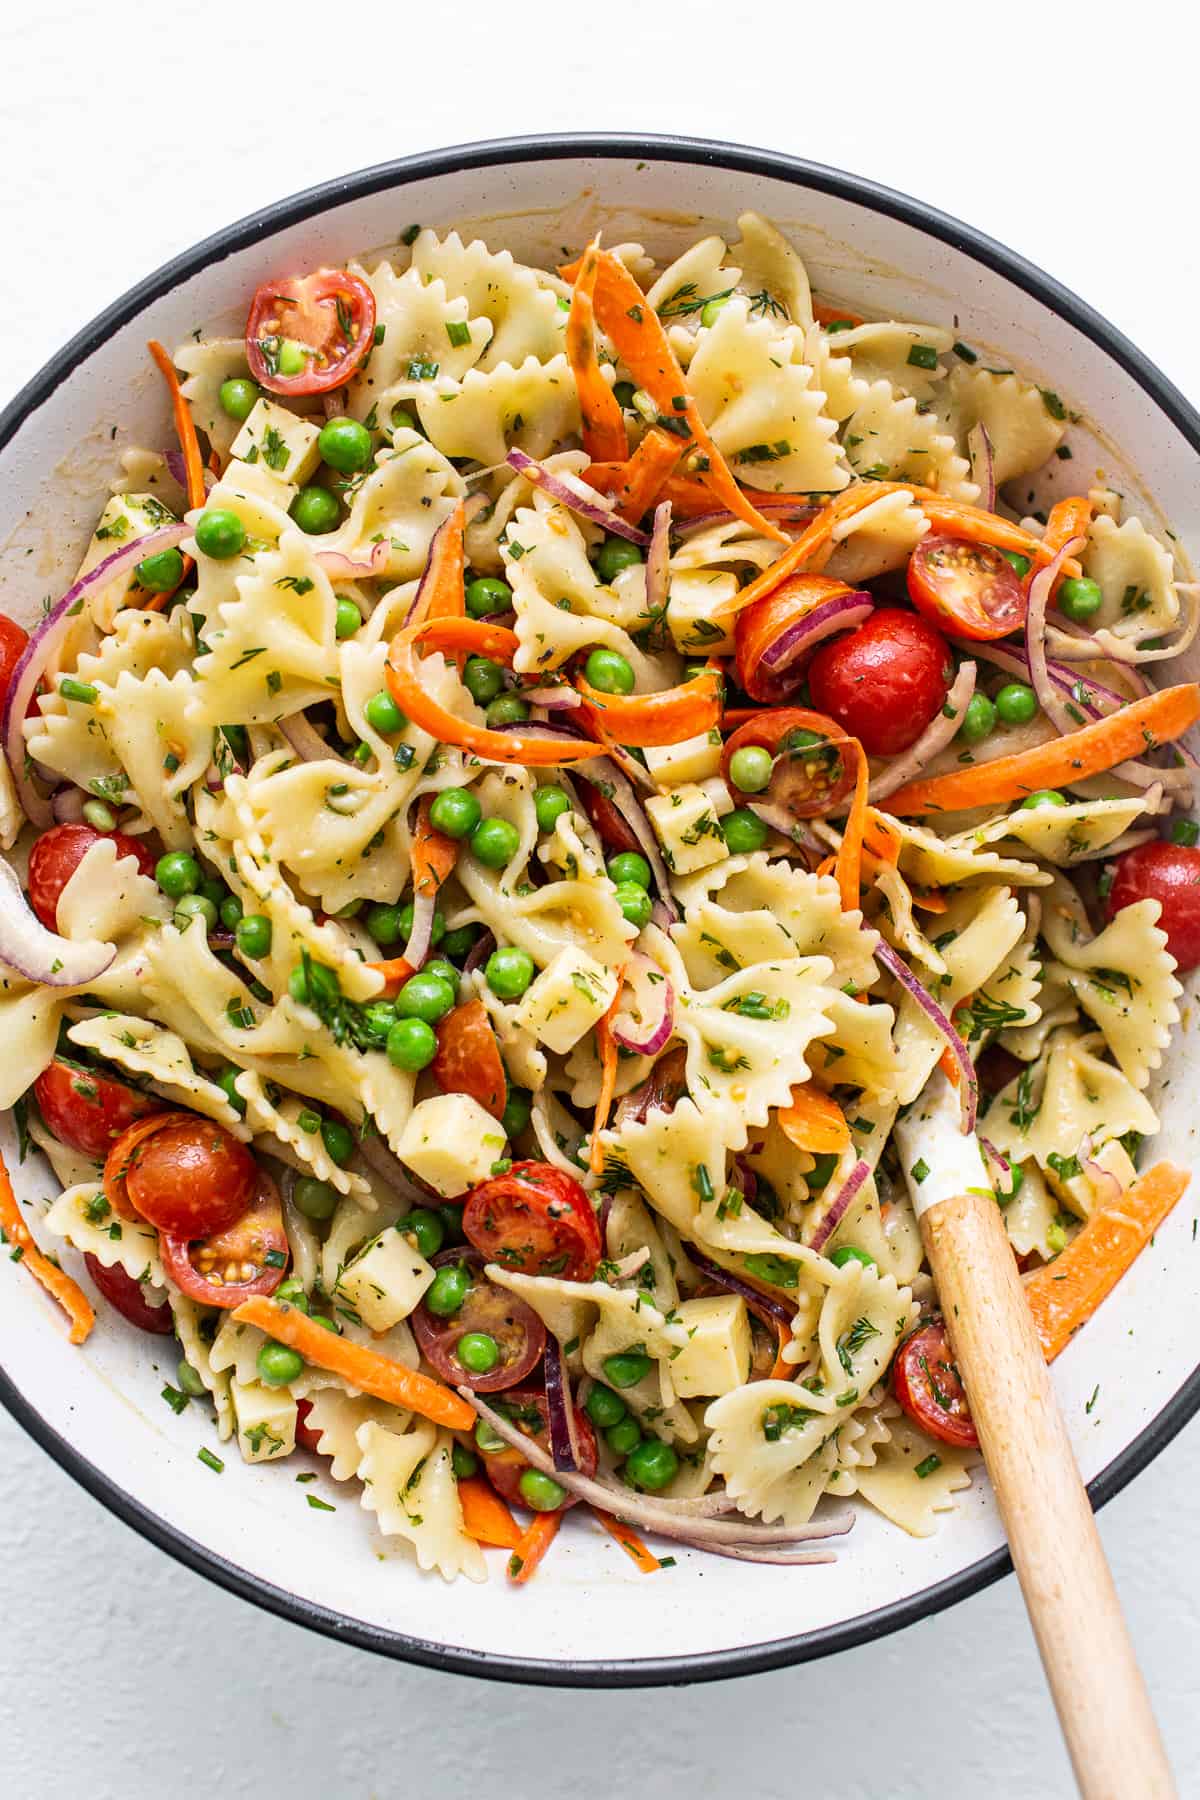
(880, 537)
(207, 364)
(196, 1328)
(272, 649)
(399, 503)
(912, 1479)
(1069, 1094)
(806, 908)
(1022, 429)
(934, 862)
(409, 1486)
(428, 336)
(886, 438)
(518, 302)
(533, 406)
(1078, 832)
(774, 1445)
(1123, 978)
(1136, 575)
(158, 1057)
(335, 1418)
(85, 1219)
(768, 265)
(906, 356)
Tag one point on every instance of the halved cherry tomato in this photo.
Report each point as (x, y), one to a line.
(1170, 874)
(86, 1109)
(527, 1409)
(811, 776)
(515, 1327)
(56, 855)
(885, 681)
(759, 626)
(996, 1068)
(13, 639)
(535, 1219)
(250, 1258)
(927, 1385)
(970, 590)
(306, 1437)
(128, 1296)
(329, 319)
(185, 1175)
(664, 1085)
(607, 822)
(468, 1058)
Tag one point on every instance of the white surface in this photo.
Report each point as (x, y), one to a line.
(109, 174)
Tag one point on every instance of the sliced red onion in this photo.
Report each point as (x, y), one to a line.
(45, 639)
(420, 599)
(306, 741)
(479, 952)
(782, 512)
(625, 1266)
(843, 613)
(1002, 1163)
(558, 1407)
(333, 402)
(1106, 644)
(1040, 589)
(556, 698)
(658, 562)
(781, 820)
(650, 985)
(67, 805)
(31, 950)
(376, 1154)
(1097, 700)
(765, 1305)
(421, 936)
(1102, 1179)
(968, 1081)
(748, 1553)
(575, 494)
(940, 731)
(177, 470)
(340, 567)
(634, 771)
(839, 1206)
(983, 465)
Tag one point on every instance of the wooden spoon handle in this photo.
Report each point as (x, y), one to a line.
(1098, 1690)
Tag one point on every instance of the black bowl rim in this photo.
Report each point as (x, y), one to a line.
(624, 1672)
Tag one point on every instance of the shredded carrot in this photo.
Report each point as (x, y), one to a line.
(881, 838)
(813, 1121)
(606, 1044)
(646, 474)
(532, 1545)
(364, 1369)
(934, 901)
(815, 536)
(834, 315)
(59, 1286)
(629, 1541)
(827, 865)
(394, 969)
(1064, 1294)
(668, 717)
(1144, 725)
(781, 1370)
(604, 436)
(443, 587)
(193, 466)
(948, 1064)
(485, 1516)
(433, 854)
(1068, 519)
(848, 864)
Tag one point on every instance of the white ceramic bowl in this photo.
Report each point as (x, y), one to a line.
(590, 1618)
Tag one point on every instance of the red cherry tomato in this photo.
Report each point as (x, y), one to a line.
(535, 1219)
(1170, 874)
(58, 853)
(330, 315)
(515, 1327)
(468, 1058)
(127, 1295)
(970, 590)
(927, 1385)
(760, 625)
(607, 822)
(526, 1408)
(250, 1258)
(186, 1176)
(885, 681)
(87, 1110)
(306, 1437)
(13, 640)
(812, 773)
(663, 1087)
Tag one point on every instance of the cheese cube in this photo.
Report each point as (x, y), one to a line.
(571, 994)
(1079, 1193)
(695, 759)
(384, 1282)
(716, 1358)
(696, 595)
(126, 518)
(451, 1143)
(280, 441)
(688, 828)
(266, 1420)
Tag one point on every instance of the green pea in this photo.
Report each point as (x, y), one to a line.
(277, 1365)
(188, 1379)
(1016, 1176)
(1043, 797)
(315, 510)
(626, 1368)
(488, 1439)
(455, 812)
(712, 307)
(1020, 563)
(750, 769)
(603, 1407)
(379, 1016)
(483, 679)
(486, 595)
(424, 1228)
(384, 924)
(478, 1352)
(461, 941)
(338, 1140)
(225, 1080)
(406, 924)
(506, 709)
(213, 890)
(541, 1492)
(979, 720)
(238, 397)
(1079, 597)
(463, 1464)
(99, 816)
(629, 866)
(652, 1465)
(411, 1045)
(848, 1253)
(425, 997)
(437, 965)
(1183, 831)
(509, 972)
(623, 393)
(743, 831)
(319, 984)
(451, 1217)
(609, 672)
(383, 715)
(230, 910)
(309, 1121)
(624, 1436)
(177, 874)
(292, 358)
(253, 935)
(494, 843)
(549, 805)
(161, 573)
(517, 1110)
(346, 619)
(403, 420)
(345, 445)
(1016, 703)
(448, 1290)
(195, 906)
(219, 533)
(635, 903)
(327, 1324)
(291, 1293)
(614, 555)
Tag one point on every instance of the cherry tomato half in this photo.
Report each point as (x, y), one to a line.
(56, 855)
(250, 1258)
(468, 1058)
(664, 1085)
(324, 321)
(13, 640)
(129, 1298)
(970, 590)
(535, 1219)
(527, 1409)
(306, 1437)
(87, 1110)
(607, 822)
(761, 625)
(927, 1385)
(885, 681)
(813, 773)
(1170, 874)
(185, 1175)
(516, 1328)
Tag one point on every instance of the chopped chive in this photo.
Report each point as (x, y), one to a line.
(923, 356)
(319, 1505)
(82, 691)
(927, 1467)
(459, 332)
(966, 354)
(210, 1461)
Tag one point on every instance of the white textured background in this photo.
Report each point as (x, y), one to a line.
(128, 133)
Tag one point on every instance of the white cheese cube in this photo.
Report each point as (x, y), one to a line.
(266, 1420)
(385, 1280)
(696, 595)
(451, 1143)
(126, 518)
(716, 1358)
(1080, 1193)
(280, 441)
(571, 994)
(695, 759)
(688, 828)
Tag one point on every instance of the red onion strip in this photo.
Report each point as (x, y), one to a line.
(842, 613)
(604, 775)
(765, 1305)
(576, 495)
(421, 936)
(1005, 1167)
(308, 743)
(941, 730)
(1040, 589)
(645, 977)
(420, 599)
(558, 1407)
(178, 474)
(31, 950)
(983, 465)
(839, 1205)
(968, 1081)
(782, 512)
(67, 805)
(555, 699)
(387, 1165)
(340, 567)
